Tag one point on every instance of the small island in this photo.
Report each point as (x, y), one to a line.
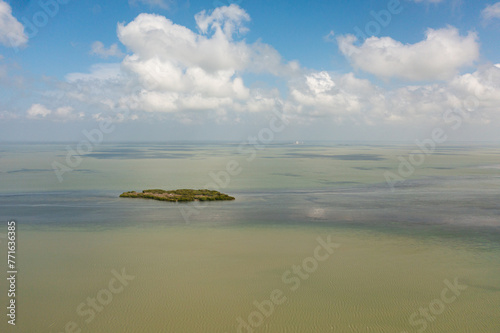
(181, 195)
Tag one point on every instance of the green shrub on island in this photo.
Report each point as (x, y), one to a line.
(181, 195)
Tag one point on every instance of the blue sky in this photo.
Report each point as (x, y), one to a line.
(212, 70)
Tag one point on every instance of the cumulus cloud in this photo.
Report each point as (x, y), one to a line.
(172, 72)
(11, 30)
(39, 111)
(439, 57)
(153, 36)
(348, 98)
(482, 88)
(179, 69)
(320, 94)
(491, 12)
(319, 82)
(227, 19)
(100, 50)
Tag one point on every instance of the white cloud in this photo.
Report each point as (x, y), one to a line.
(347, 98)
(482, 87)
(153, 36)
(99, 49)
(65, 113)
(178, 69)
(319, 82)
(38, 111)
(178, 74)
(11, 30)
(491, 12)
(165, 4)
(319, 94)
(438, 57)
(228, 19)
(99, 72)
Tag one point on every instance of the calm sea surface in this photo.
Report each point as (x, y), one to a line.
(423, 256)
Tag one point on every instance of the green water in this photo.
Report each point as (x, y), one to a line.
(398, 252)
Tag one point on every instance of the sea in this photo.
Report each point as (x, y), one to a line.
(322, 237)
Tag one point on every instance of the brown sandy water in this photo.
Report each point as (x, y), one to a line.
(200, 279)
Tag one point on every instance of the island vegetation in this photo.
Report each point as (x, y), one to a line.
(181, 195)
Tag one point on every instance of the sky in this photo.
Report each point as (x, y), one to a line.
(165, 70)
